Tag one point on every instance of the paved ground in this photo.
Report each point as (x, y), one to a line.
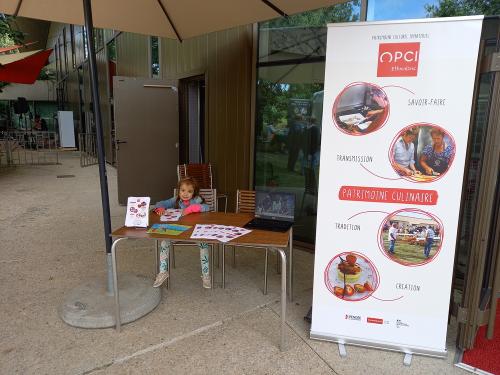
(51, 240)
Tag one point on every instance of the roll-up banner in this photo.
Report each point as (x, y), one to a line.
(396, 111)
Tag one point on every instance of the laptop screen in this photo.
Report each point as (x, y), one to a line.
(274, 205)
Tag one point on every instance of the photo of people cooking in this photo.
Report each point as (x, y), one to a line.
(361, 108)
(411, 237)
(422, 153)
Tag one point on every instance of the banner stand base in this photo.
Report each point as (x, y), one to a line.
(342, 350)
(407, 359)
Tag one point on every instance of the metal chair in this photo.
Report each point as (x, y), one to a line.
(202, 173)
(245, 203)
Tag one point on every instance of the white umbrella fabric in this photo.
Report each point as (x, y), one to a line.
(177, 19)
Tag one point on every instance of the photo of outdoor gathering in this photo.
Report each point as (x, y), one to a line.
(361, 108)
(411, 237)
(422, 152)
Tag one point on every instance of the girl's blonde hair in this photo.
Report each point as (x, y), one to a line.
(188, 181)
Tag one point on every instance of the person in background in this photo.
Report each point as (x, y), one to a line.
(188, 199)
(295, 140)
(435, 158)
(404, 154)
(37, 122)
(429, 240)
(392, 236)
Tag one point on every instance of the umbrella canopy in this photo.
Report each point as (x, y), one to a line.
(23, 67)
(177, 19)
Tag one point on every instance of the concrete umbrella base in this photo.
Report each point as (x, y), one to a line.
(89, 306)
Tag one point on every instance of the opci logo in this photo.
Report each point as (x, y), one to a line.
(398, 59)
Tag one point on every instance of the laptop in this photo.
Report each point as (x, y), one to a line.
(274, 211)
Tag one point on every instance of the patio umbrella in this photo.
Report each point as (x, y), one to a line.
(23, 67)
(177, 19)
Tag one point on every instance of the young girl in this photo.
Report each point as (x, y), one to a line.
(188, 199)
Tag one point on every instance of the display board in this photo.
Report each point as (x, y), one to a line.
(397, 106)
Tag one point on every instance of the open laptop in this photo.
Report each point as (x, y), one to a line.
(274, 211)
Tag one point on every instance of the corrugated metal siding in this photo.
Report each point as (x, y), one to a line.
(132, 55)
(225, 58)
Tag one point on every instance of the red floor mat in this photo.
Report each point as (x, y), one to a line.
(486, 353)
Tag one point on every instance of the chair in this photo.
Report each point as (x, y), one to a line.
(245, 203)
(210, 197)
(310, 186)
(202, 173)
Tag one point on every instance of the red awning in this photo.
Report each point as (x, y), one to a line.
(24, 70)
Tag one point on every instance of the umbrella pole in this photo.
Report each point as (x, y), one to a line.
(87, 11)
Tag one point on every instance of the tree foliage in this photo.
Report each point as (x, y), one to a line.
(344, 12)
(8, 34)
(455, 8)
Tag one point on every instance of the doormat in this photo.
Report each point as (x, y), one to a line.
(486, 353)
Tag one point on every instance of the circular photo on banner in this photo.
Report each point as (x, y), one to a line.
(351, 276)
(361, 108)
(411, 237)
(422, 152)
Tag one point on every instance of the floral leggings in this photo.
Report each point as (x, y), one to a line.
(164, 255)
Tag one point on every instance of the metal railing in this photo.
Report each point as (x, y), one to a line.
(28, 148)
(87, 144)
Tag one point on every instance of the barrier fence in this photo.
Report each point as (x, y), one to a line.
(87, 144)
(28, 148)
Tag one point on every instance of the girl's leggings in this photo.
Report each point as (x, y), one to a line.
(164, 255)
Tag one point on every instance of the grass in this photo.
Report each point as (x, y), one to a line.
(407, 253)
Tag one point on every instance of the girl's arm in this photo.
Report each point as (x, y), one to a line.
(168, 203)
(196, 206)
(204, 207)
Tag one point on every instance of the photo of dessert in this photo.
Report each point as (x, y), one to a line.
(361, 108)
(351, 276)
(422, 152)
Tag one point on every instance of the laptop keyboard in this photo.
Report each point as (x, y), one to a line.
(269, 223)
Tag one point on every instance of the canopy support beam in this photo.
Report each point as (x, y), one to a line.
(275, 8)
(87, 11)
(169, 20)
(18, 8)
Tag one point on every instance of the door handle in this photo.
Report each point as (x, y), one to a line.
(118, 142)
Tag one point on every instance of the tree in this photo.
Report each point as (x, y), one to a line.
(453, 8)
(9, 35)
(344, 12)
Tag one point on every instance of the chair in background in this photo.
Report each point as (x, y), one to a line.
(310, 187)
(245, 203)
(202, 173)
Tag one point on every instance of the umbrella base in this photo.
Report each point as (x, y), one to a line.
(90, 306)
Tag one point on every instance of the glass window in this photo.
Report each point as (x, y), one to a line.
(290, 75)
(155, 56)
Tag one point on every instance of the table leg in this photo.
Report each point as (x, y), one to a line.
(282, 254)
(234, 256)
(290, 261)
(223, 266)
(169, 266)
(156, 257)
(265, 270)
(212, 264)
(115, 284)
